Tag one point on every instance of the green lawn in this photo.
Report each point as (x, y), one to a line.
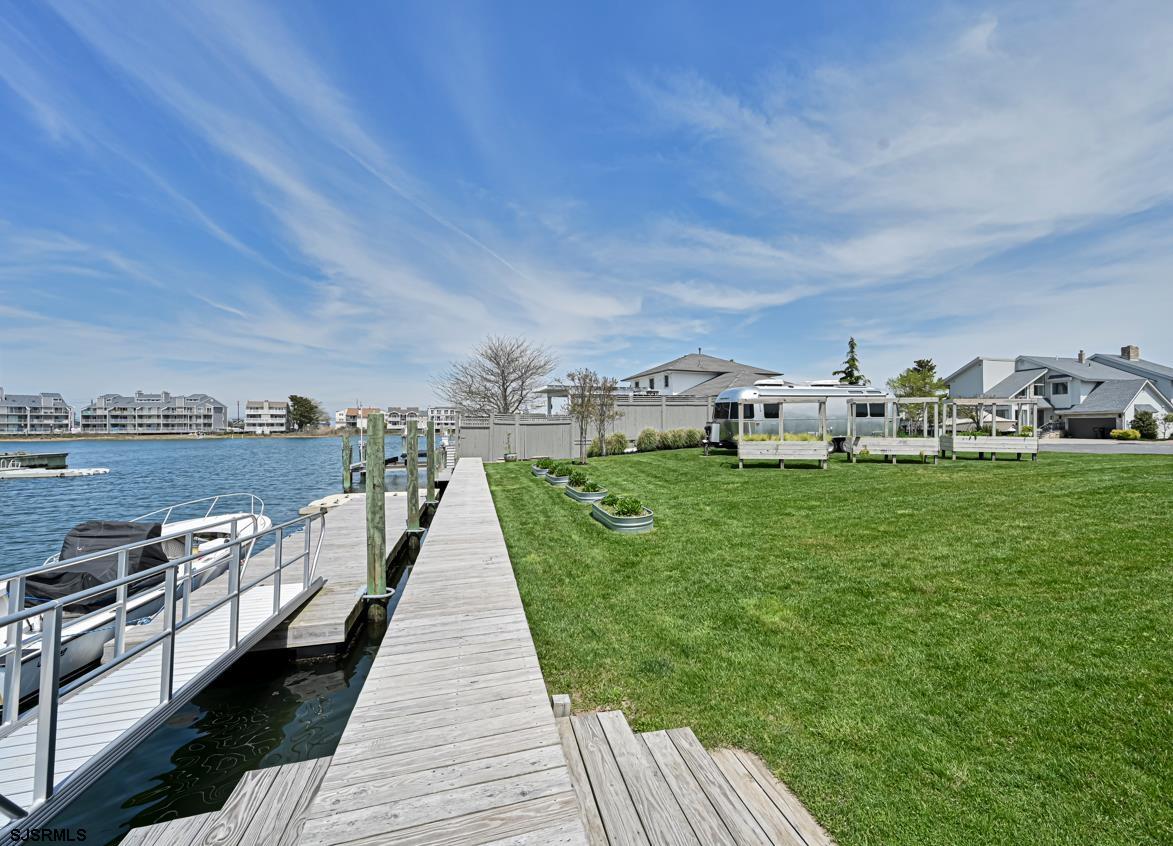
(966, 653)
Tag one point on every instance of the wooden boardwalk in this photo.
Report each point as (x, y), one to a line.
(265, 809)
(99, 722)
(453, 739)
(663, 787)
(329, 618)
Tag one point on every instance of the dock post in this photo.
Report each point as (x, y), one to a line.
(376, 488)
(431, 499)
(413, 490)
(347, 460)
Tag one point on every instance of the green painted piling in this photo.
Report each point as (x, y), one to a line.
(347, 460)
(376, 487)
(431, 462)
(411, 448)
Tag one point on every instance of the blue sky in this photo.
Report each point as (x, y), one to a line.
(337, 198)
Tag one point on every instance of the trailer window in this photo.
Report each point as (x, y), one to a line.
(771, 410)
(877, 409)
(861, 409)
(747, 410)
(723, 411)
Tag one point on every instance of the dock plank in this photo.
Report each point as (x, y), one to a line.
(620, 817)
(452, 739)
(705, 820)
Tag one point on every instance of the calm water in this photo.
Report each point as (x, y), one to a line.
(287, 473)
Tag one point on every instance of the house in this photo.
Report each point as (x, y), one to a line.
(264, 417)
(354, 418)
(1081, 397)
(444, 417)
(697, 375)
(34, 414)
(154, 414)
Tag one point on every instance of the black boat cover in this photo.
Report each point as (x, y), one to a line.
(93, 536)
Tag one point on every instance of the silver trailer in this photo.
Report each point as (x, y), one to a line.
(759, 404)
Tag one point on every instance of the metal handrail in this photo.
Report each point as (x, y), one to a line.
(253, 500)
(50, 689)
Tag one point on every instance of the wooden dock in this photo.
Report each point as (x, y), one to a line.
(453, 739)
(326, 622)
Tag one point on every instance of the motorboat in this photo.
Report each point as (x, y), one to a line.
(90, 623)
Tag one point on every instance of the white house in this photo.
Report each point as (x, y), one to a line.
(695, 374)
(1082, 397)
(264, 417)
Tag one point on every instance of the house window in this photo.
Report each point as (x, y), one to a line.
(637, 384)
(652, 384)
(1036, 390)
(665, 380)
(1059, 389)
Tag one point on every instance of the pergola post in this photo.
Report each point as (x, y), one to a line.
(823, 429)
(740, 434)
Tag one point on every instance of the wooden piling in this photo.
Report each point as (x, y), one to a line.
(376, 488)
(347, 460)
(431, 499)
(411, 448)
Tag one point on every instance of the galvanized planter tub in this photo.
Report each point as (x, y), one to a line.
(627, 525)
(557, 481)
(585, 496)
(538, 471)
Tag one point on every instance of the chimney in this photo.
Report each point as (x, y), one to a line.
(1130, 352)
(1082, 358)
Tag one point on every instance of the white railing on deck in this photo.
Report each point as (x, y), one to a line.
(51, 614)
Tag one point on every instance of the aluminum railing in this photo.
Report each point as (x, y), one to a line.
(19, 641)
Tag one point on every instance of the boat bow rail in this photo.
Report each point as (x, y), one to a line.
(32, 781)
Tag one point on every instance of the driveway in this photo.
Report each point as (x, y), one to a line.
(1106, 446)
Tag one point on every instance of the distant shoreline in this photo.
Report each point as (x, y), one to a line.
(233, 436)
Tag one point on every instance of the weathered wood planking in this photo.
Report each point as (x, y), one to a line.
(989, 444)
(327, 620)
(452, 739)
(266, 808)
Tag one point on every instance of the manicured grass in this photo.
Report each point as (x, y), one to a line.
(967, 653)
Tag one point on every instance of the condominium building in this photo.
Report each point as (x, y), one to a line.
(353, 418)
(34, 414)
(161, 413)
(444, 418)
(264, 417)
(398, 415)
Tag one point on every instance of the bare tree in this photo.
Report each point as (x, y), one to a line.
(498, 378)
(606, 411)
(583, 385)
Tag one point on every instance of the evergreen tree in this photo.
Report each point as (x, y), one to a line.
(920, 380)
(305, 413)
(850, 373)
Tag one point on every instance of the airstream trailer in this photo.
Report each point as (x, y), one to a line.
(759, 407)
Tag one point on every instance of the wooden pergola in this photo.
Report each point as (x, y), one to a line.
(1022, 410)
(782, 449)
(890, 443)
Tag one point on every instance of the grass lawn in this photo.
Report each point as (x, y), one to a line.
(969, 653)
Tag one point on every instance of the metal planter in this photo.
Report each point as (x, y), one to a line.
(627, 525)
(538, 471)
(557, 481)
(585, 496)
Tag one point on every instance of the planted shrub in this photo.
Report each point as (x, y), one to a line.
(588, 486)
(693, 437)
(648, 440)
(562, 468)
(595, 449)
(1145, 422)
(1026, 432)
(616, 443)
(577, 478)
(1125, 434)
(627, 506)
(545, 463)
(609, 500)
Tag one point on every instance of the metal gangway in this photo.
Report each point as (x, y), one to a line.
(78, 728)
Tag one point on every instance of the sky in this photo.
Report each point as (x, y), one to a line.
(336, 199)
